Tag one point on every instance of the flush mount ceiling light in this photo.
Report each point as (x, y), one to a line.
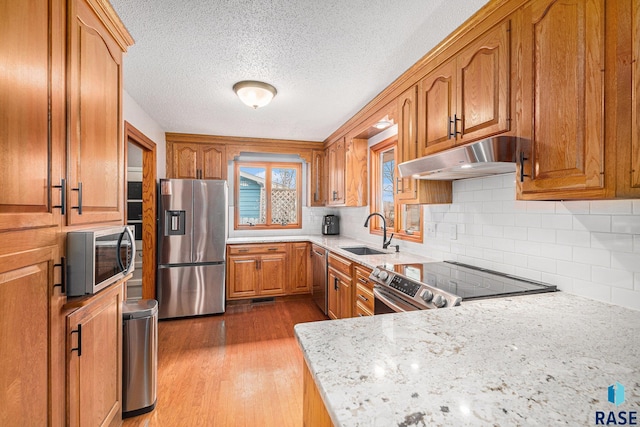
(253, 93)
(383, 123)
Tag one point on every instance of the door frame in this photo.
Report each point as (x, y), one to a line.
(149, 188)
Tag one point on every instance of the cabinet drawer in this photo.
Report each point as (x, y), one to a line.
(362, 277)
(362, 311)
(256, 249)
(340, 264)
(364, 296)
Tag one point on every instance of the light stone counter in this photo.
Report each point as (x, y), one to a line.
(336, 243)
(542, 360)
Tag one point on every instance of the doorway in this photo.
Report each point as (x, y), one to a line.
(141, 209)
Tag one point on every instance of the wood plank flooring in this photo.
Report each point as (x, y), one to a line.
(242, 368)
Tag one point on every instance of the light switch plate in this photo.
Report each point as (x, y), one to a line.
(453, 232)
(431, 229)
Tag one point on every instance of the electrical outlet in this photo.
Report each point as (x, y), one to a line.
(431, 229)
(453, 232)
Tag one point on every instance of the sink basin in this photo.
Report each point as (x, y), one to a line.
(363, 250)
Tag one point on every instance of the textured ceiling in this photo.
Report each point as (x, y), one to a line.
(327, 59)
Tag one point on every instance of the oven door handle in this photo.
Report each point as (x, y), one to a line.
(394, 303)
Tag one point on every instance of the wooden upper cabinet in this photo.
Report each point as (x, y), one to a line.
(198, 161)
(483, 86)
(407, 141)
(336, 172)
(317, 193)
(467, 98)
(96, 151)
(31, 89)
(563, 90)
(633, 170)
(437, 104)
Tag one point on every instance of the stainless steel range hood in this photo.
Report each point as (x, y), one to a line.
(489, 156)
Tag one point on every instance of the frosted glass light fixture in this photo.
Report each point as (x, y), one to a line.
(253, 93)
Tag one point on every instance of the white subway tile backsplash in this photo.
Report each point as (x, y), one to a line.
(574, 270)
(612, 277)
(612, 242)
(592, 223)
(573, 207)
(626, 298)
(528, 220)
(608, 207)
(626, 261)
(601, 257)
(574, 238)
(589, 248)
(626, 224)
(541, 235)
(546, 265)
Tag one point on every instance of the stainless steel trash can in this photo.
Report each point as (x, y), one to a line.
(139, 356)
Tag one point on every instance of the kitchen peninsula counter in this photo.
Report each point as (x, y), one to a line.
(543, 359)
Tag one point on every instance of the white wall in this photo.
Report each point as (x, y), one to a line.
(585, 248)
(134, 114)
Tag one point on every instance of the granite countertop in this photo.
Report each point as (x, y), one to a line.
(336, 243)
(544, 359)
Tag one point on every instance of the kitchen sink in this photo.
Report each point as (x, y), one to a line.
(363, 250)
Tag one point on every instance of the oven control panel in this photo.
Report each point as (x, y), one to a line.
(405, 286)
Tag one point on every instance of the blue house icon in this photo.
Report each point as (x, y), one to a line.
(616, 394)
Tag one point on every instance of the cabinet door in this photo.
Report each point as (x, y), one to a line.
(31, 88)
(25, 290)
(635, 120)
(96, 151)
(185, 159)
(406, 188)
(333, 287)
(94, 352)
(483, 85)
(273, 274)
(563, 66)
(243, 276)
(336, 173)
(300, 278)
(213, 164)
(437, 102)
(345, 299)
(317, 181)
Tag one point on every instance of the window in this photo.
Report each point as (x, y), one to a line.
(267, 195)
(405, 221)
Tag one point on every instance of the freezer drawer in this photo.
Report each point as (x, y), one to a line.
(191, 290)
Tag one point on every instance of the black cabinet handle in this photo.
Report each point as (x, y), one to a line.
(450, 134)
(79, 347)
(363, 298)
(63, 276)
(455, 125)
(522, 159)
(335, 284)
(63, 197)
(79, 190)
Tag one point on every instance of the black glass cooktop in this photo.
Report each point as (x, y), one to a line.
(469, 282)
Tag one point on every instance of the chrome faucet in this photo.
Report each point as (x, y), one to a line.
(385, 242)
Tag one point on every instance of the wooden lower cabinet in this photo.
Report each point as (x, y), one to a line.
(257, 270)
(94, 360)
(26, 374)
(300, 268)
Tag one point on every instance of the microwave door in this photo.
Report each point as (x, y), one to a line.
(209, 221)
(175, 222)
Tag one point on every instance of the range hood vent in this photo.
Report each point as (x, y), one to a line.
(489, 156)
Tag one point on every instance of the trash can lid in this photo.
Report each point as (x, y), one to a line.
(136, 309)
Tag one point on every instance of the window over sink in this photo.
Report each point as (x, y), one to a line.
(267, 195)
(405, 221)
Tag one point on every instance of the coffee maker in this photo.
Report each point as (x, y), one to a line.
(330, 225)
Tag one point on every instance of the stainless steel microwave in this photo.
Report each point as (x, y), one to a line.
(98, 257)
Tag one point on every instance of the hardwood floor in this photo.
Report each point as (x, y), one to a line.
(242, 368)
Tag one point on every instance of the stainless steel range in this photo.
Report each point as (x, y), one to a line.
(409, 287)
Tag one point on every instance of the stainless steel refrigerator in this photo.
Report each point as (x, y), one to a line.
(192, 235)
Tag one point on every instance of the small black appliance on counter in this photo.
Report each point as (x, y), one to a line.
(330, 225)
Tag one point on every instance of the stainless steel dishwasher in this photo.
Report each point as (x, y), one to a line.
(319, 289)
